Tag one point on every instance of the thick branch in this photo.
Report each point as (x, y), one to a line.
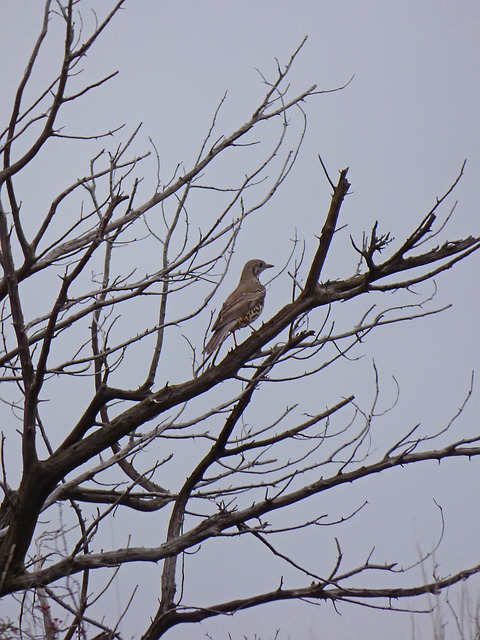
(313, 592)
(214, 525)
(328, 231)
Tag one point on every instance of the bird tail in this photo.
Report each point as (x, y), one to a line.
(216, 340)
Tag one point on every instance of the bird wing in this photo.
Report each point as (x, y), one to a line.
(236, 305)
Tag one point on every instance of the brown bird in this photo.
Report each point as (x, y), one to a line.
(242, 306)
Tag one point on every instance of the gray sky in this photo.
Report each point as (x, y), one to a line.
(404, 125)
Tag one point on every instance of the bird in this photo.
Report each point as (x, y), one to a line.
(242, 307)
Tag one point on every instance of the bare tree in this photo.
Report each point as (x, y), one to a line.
(105, 304)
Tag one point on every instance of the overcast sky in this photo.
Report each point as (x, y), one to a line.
(403, 126)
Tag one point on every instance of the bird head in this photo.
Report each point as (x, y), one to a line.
(255, 268)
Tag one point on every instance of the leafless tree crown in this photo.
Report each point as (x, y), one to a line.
(112, 410)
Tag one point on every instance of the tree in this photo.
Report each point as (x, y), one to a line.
(89, 316)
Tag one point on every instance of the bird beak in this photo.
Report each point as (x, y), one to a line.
(268, 266)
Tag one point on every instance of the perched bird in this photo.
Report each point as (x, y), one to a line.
(242, 306)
